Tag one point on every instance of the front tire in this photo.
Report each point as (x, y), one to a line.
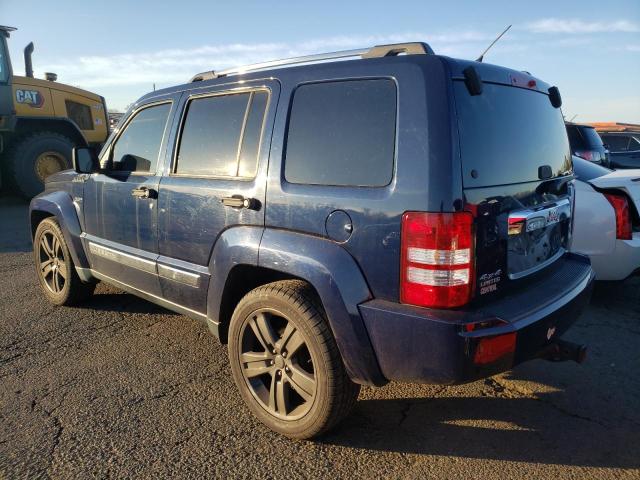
(55, 268)
(286, 363)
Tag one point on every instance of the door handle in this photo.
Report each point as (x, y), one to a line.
(238, 201)
(144, 192)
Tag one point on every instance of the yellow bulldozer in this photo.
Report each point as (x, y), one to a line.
(40, 123)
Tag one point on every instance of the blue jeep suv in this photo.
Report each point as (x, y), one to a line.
(338, 220)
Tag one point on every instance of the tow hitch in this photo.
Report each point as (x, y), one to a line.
(561, 350)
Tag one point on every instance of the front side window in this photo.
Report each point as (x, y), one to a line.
(138, 147)
(80, 114)
(221, 135)
(342, 133)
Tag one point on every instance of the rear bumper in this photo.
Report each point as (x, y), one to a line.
(415, 344)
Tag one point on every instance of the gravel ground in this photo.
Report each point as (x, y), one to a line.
(120, 388)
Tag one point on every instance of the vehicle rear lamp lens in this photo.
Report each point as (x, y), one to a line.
(620, 205)
(438, 278)
(585, 154)
(437, 259)
(490, 349)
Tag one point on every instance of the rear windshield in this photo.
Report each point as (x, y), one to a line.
(591, 137)
(587, 171)
(507, 133)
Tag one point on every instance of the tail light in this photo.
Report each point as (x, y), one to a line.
(620, 204)
(437, 259)
(590, 155)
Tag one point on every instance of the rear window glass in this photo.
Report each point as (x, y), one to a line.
(342, 133)
(575, 138)
(587, 171)
(507, 133)
(591, 136)
(221, 135)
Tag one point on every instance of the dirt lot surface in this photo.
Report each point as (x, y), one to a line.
(121, 388)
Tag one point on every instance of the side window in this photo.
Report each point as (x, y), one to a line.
(616, 143)
(221, 135)
(634, 144)
(138, 147)
(342, 133)
(80, 114)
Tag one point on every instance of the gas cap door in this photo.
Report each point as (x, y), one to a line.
(339, 226)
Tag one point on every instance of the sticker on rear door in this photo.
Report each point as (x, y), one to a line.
(489, 282)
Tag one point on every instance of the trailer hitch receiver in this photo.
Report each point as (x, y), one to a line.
(562, 350)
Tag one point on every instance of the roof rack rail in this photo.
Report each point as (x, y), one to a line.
(414, 48)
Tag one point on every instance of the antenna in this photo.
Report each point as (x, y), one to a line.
(572, 118)
(481, 57)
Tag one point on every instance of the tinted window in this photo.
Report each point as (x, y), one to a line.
(634, 144)
(616, 143)
(587, 171)
(212, 132)
(80, 114)
(591, 136)
(506, 133)
(248, 160)
(138, 147)
(575, 139)
(342, 133)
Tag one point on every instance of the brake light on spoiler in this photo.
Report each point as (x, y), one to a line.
(437, 259)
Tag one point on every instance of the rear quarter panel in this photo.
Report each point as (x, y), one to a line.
(594, 228)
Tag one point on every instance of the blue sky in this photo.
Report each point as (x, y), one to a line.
(590, 49)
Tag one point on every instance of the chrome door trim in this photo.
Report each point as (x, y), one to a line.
(179, 275)
(124, 258)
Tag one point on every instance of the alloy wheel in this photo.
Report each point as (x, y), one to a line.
(277, 364)
(52, 265)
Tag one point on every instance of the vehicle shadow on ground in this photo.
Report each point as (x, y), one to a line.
(492, 428)
(108, 299)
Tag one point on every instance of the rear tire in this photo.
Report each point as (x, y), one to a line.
(33, 157)
(286, 363)
(55, 268)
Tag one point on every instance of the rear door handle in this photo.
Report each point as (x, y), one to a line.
(144, 192)
(238, 201)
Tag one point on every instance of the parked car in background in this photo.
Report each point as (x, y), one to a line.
(384, 218)
(586, 143)
(624, 148)
(606, 223)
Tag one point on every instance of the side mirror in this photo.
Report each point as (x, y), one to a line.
(84, 160)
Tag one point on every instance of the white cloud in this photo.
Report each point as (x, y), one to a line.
(559, 25)
(172, 66)
(632, 48)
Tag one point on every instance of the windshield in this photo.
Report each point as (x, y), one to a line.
(507, 133)
(587, 171)
(4, 60)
